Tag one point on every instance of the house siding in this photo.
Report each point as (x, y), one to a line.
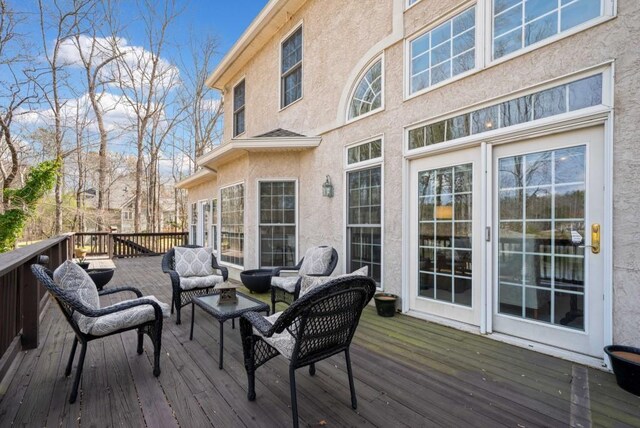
(340, 35)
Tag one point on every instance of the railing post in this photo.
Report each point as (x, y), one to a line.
(110, 244)
(30, 306)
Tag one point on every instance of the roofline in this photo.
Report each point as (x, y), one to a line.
(198, 177)
(262, 144)
(271, 10)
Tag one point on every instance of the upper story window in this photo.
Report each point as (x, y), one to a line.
(520, 23)
(291, 69)
(410, 2)
(367, 96)
(238, 109)
(444, 52)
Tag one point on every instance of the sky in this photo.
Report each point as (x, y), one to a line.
(225, 20)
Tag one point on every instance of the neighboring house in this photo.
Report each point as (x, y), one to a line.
(469, 147)
(167, 215)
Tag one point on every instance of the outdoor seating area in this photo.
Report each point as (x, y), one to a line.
(405, 371)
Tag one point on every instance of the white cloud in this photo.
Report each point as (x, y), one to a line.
(136, 62)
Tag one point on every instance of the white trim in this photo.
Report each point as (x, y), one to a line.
(372, 163)
(356, 83)
(258, 223)
(410, 5)
(550, 350)
(448, 322)
(607, 227)
(244, 223)
(299, 25)
(199, 177)
(244, 106)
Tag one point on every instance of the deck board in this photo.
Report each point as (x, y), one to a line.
(408, 373)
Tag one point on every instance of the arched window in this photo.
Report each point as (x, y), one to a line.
(367, 96)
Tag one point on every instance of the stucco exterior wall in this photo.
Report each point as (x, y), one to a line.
(336, 36)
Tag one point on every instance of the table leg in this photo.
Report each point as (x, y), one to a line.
(193, 316)
(233, 323)
(221, 343)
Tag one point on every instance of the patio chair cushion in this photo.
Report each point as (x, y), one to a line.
(192, 282)
(316, 261)
(126, 318)
(75, 280)
(284, 342)
(193, 262)
(287, 283)
(308, 283)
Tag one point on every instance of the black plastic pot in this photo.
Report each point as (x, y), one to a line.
(257, 280)
(83, 265)
(626, 366)
(100, 277)
(385, 304)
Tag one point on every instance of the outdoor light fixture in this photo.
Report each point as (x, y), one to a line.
(327, 188)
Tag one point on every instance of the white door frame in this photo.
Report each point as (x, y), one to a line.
(603, 118)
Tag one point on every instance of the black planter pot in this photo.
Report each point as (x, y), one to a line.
(100, 277)
(83, 265)
(385, 304)
(257, 280)
(625, 361)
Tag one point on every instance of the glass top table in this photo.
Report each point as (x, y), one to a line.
(222, 313)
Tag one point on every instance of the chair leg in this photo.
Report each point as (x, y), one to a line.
(294, 400)
(312, 369)
(67, 371)
(140, 340)
(251, 378)
(76, 382)
(178, 322)
(172, 304)
(157, 343)
(273, 301)
(354, 400)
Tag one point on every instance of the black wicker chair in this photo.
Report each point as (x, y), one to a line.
(182, 297)
(316, 326)
(280, 294)
(69, 304)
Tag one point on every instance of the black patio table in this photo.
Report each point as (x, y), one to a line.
(226, 311)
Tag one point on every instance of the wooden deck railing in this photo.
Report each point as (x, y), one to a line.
(129, 244)
(22, 298)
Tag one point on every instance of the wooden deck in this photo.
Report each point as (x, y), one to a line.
(408, 373)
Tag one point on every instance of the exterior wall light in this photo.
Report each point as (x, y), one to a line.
(327, 188)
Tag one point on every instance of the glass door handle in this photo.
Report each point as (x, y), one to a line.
(595, 239)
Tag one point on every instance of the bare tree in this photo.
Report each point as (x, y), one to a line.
(16, 91)
(60, 19)
(202, 104)
(145, 79)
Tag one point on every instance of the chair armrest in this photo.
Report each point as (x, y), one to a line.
(223, 270)
(276, 271)
(259, 322)
(120, 290)
(118, 307)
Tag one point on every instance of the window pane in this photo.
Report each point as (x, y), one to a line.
(431, 53)
(364, 152)
(292, 68)
(444, 243)
(541, 19)
(232, 224)
(585, 93)
(292, 51)
(368, 93)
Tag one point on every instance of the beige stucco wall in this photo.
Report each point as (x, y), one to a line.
(337, 35)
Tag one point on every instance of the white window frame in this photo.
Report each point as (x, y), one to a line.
(354, 167)
(200, 225)
(408, 5)
(357, 83)
(608, 10)
(484, 40)
(192, 237)
(297, 211)
(244, 225)
(281, 75)
(244, 108)
(479, 47)
(548, 122)
(214, 225)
